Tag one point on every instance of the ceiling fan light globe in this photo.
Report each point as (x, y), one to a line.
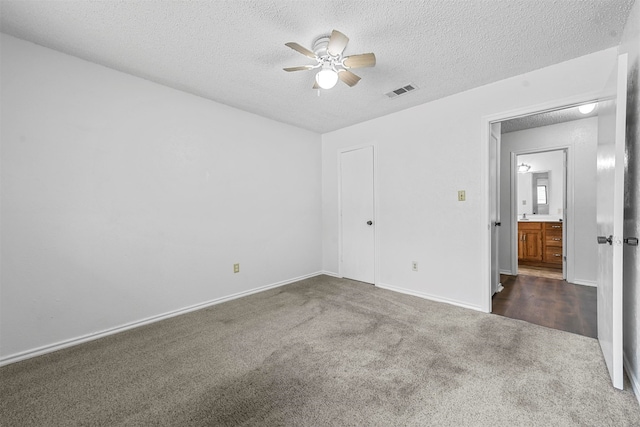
(326, 78)
(587, 108)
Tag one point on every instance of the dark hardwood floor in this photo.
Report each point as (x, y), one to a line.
(548, 302)
(550, 273)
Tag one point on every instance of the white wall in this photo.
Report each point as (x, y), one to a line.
(524, 193)
(425, 155)
(123, 199)
(581, 139)
(551, 162)
(631, 297)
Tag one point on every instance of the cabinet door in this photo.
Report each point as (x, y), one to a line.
(520, 245)
(532, 245)
(530, 241)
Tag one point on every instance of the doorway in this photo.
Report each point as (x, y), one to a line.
(547, 169)
(550, 157)
(539, 205)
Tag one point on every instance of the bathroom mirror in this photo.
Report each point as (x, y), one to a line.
(540, 189)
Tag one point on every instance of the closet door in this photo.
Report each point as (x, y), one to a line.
(357, 215)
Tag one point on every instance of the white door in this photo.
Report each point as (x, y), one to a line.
(494, 168)
(610, 200)
(356, 211)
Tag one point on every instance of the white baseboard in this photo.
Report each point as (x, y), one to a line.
(633, 378)
(111, 331)
(507, 272)
(584, 283)
(428, 296)
(330, 273)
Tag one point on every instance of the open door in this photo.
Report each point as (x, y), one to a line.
(610, 204)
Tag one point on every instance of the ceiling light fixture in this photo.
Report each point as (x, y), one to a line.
(587, 108)
(326, 77)
(522, 168)
(328, 52)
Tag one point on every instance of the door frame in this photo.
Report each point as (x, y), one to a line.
(485, 140)
(495, 198)
(568, 215)
(376, 216)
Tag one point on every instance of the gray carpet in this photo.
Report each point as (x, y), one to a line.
(318, 352)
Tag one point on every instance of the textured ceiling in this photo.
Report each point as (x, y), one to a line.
(552, 117)
(233, 51)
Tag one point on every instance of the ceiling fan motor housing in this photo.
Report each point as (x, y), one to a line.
(320, 49)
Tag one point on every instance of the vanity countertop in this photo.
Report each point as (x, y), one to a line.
(540, 218)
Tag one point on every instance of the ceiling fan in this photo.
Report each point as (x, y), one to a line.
(327, 52)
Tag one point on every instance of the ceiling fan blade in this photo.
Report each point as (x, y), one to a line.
(300, 68)
(348, 77)
(337, 43)
(302, 50)
(360, 61)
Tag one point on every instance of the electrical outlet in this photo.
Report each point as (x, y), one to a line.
(236, 268)
(414, 265)
(462, 196)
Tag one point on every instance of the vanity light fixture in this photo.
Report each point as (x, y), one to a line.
(587, 108)
(522, 168)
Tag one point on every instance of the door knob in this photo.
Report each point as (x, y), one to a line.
(631, 241)
(602, 240)
(497, 224)
(369, 222)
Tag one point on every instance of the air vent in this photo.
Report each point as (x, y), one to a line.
(401, 91)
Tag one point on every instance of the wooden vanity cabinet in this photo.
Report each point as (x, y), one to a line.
(530, 241)
(540, 243)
